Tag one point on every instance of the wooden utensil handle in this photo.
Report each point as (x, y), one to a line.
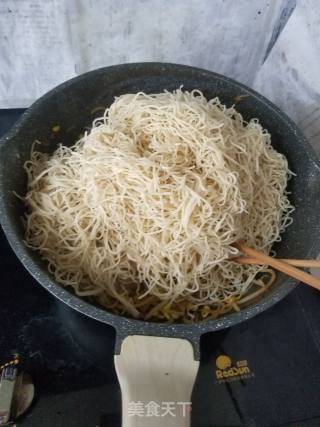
(156, 376)
(307, 263)
(288, 269)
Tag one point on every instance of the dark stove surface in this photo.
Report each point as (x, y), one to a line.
(75, 381)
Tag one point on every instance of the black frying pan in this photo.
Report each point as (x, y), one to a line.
(70, 106)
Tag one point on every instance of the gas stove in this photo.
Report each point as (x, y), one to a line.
(263, 372)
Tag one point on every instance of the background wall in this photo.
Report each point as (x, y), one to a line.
(273, 46)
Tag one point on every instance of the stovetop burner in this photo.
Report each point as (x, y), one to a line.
(263, 372)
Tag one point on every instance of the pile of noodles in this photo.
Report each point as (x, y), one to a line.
(141, 213)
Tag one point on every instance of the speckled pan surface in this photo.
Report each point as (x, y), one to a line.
(70, 106)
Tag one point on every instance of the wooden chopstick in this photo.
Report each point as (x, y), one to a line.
(282, 266)
(307, 263)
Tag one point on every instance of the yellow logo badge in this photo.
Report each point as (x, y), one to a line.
(227, 371)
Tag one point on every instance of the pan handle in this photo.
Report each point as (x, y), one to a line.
(156, 376)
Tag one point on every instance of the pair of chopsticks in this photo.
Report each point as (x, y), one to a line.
(287, 266)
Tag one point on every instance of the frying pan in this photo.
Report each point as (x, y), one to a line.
(155, 362)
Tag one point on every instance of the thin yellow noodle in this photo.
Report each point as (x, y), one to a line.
(140, 214)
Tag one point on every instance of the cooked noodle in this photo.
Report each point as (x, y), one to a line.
(141, 213)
